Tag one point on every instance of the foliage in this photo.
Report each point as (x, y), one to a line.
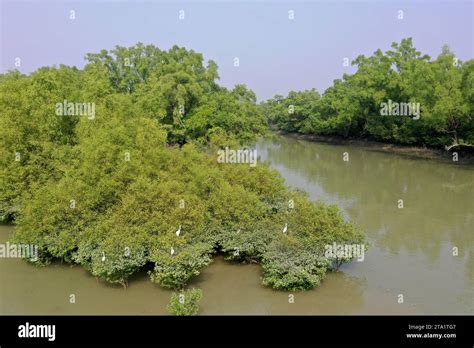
(289, 264)
(110, 192)
(185, 303)
(351, 106)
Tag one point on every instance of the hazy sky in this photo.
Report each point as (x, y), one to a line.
(276, 54)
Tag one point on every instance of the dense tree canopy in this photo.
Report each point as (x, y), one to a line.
(136, 184)
(173, 88)
(444, 89)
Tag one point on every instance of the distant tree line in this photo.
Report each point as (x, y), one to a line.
(356, 105)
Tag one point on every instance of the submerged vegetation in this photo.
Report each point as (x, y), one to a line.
(373, 102)
(134, 183)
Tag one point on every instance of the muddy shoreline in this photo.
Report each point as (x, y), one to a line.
(406, 150)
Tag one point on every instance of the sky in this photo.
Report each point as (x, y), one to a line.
(276, 54)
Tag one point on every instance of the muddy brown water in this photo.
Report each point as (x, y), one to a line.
(410, 252)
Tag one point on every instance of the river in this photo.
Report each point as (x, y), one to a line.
(410, 249)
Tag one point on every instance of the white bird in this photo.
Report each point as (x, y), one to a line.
(178, 231)
(285, 228)
(172, 251)
(103, 256)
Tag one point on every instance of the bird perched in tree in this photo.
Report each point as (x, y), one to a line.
(178, 231)
(285, 228)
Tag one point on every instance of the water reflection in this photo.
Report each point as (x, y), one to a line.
(414, 244)
(437, 196)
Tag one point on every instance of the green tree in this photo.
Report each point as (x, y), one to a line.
(351, 107)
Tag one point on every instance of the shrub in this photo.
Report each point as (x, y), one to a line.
(290, 265)
(185, 303)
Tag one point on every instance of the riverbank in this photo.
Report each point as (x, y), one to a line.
(410, 249)
(406, 150)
